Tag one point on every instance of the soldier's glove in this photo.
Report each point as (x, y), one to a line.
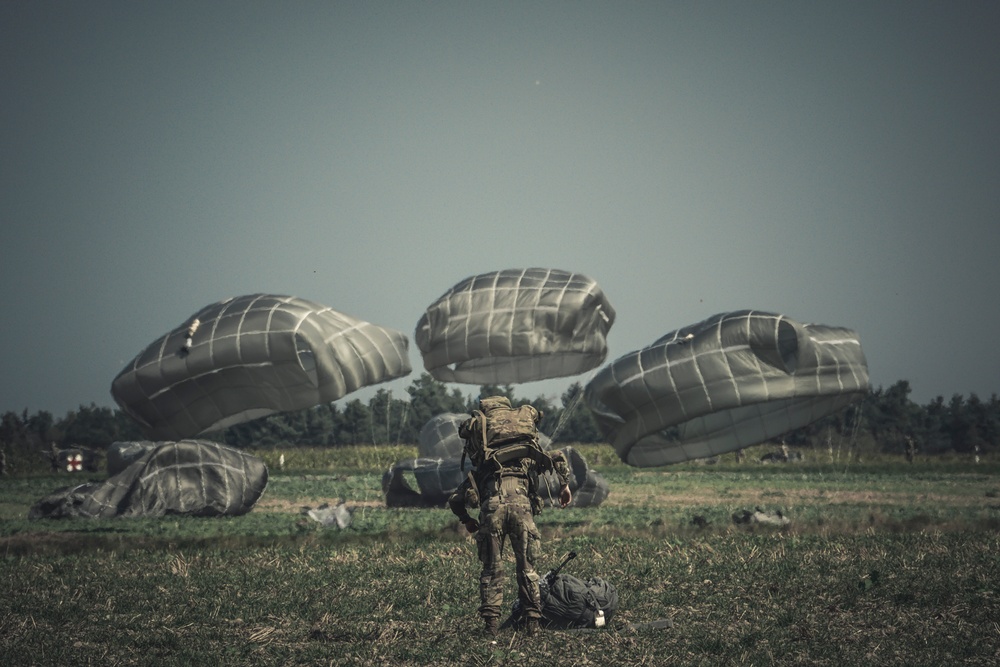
(565, 496)
(471, 525)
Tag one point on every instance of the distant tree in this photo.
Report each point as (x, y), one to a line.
(961, 425)
(428, 398)
(990, 423)
(892, 417)
(389, 417)
(974, 425)
(41, 428)
(354, 426)
(14, 431)
(932, 434)
(96, 427)
(321, 424)
(887, 418)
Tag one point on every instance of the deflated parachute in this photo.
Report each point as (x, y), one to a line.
(194, 477)
(252, 356)
(515, 325)
(732, 381)
(436, 479)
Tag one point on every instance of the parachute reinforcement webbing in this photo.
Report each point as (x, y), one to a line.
(439, 436)
(731, 381)
(515, 325)
(252, 356)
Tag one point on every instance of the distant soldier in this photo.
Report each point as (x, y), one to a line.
(3, 463)
(911, 449)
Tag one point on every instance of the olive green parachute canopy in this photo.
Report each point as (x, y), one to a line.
(731, 381)
(439, 439)
(435, 480)
(194, 477)
(516, 325)
(251, 356)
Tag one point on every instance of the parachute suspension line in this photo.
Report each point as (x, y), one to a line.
(402, 421)
(568, 412)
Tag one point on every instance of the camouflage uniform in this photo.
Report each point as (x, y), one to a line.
(506, 513)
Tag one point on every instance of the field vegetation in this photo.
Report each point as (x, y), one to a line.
(882, 562)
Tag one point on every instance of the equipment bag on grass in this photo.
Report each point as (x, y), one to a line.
(570, 602)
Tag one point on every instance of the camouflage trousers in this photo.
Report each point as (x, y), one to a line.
(507, 517)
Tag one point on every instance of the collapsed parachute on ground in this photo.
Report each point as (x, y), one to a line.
(731, 381)
(253, 356)
(439, 437)
(122, 454)
(515, 325)
(193, 477)
(437, 478)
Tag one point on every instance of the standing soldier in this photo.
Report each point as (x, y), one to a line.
(502, 443)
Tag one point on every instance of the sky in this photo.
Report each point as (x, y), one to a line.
(837, 162)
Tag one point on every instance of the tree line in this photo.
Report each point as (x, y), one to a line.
(886, 420)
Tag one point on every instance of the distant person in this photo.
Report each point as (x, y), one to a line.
(502, 443)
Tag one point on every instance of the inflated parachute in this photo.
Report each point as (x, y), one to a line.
(732, 381)
(251, 356)
(194, 477)
(515, 325)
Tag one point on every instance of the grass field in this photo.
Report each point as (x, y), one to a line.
(882, 563)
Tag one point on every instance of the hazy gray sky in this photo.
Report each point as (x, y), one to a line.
(838, 162)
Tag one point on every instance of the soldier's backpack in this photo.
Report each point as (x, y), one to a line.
(571, 602)
(499, 434)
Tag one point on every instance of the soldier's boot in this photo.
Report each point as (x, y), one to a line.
(531, 627)
(491, 626)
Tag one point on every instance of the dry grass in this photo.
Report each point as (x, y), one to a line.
(881, 566)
